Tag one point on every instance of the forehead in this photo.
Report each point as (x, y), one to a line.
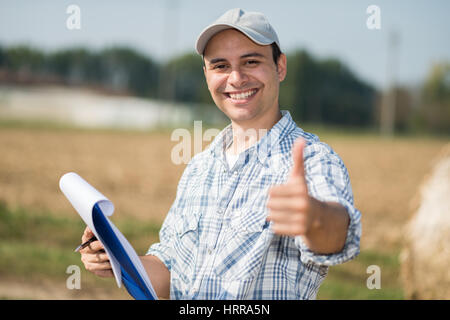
(232, 42)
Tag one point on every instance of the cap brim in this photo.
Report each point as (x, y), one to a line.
(212, 30)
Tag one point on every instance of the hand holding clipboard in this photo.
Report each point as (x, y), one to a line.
(93, 207)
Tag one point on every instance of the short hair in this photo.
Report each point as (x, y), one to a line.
(276, 52)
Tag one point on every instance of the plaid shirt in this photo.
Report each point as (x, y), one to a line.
(215, 239)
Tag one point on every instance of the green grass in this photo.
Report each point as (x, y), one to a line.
(36, 245)
(39, 245)
(348, 281)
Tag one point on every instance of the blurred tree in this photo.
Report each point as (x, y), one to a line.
(75, 65)
(123, 68)
(300, 67)
(23, 59)
(315, 91)
(326, 91)
(190, 84)
(2, 58)
(435, 106)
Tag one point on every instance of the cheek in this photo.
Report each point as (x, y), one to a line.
(265, 76)
(216, 84)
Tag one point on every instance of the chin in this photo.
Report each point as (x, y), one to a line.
(238, 114)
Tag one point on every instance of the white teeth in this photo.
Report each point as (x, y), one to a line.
(241, 96)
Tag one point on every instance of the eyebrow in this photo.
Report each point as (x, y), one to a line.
(247, 55)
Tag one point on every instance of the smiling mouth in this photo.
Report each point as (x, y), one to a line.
(241, 96)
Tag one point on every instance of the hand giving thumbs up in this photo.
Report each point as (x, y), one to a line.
(290, 203)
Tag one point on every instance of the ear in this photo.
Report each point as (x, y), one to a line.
(282, 67)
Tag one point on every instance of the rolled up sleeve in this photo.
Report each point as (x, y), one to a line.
(164, 249)
(328, 181)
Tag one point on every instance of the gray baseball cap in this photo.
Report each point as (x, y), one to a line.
(253, 24)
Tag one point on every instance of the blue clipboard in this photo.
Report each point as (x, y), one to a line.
(133, 282)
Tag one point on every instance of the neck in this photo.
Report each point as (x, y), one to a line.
(247, 134)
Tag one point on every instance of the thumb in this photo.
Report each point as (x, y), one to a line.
(298, 169)
(87, 234)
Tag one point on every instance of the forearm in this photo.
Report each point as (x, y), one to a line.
(328, 231)
(159, 275)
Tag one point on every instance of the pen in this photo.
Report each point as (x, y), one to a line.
(85, 244)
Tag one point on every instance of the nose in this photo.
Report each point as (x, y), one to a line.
(237, 78)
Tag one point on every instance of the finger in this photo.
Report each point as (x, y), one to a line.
(284, 216)
(291, 189)
(290, 204)
(93, 247)
(94, 266)
(87, 234)
(298, 169)
(95, 257)
(104, 273)
(288, 229)
(96, 246)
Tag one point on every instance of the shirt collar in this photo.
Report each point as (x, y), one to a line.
(264, 147)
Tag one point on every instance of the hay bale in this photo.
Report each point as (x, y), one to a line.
(426, 255)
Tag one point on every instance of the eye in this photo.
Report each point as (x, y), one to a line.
(219, 66)
(252, 62)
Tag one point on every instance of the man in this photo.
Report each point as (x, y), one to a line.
(256, 216)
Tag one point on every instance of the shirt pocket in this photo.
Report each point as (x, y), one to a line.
(243, 248)
(186, 244)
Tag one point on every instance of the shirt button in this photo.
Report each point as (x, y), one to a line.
(219, 211)
(210, 251)
(193, 290)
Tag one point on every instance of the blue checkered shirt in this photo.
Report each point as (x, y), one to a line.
(215, 239)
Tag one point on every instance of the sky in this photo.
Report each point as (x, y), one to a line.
(162, 29)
